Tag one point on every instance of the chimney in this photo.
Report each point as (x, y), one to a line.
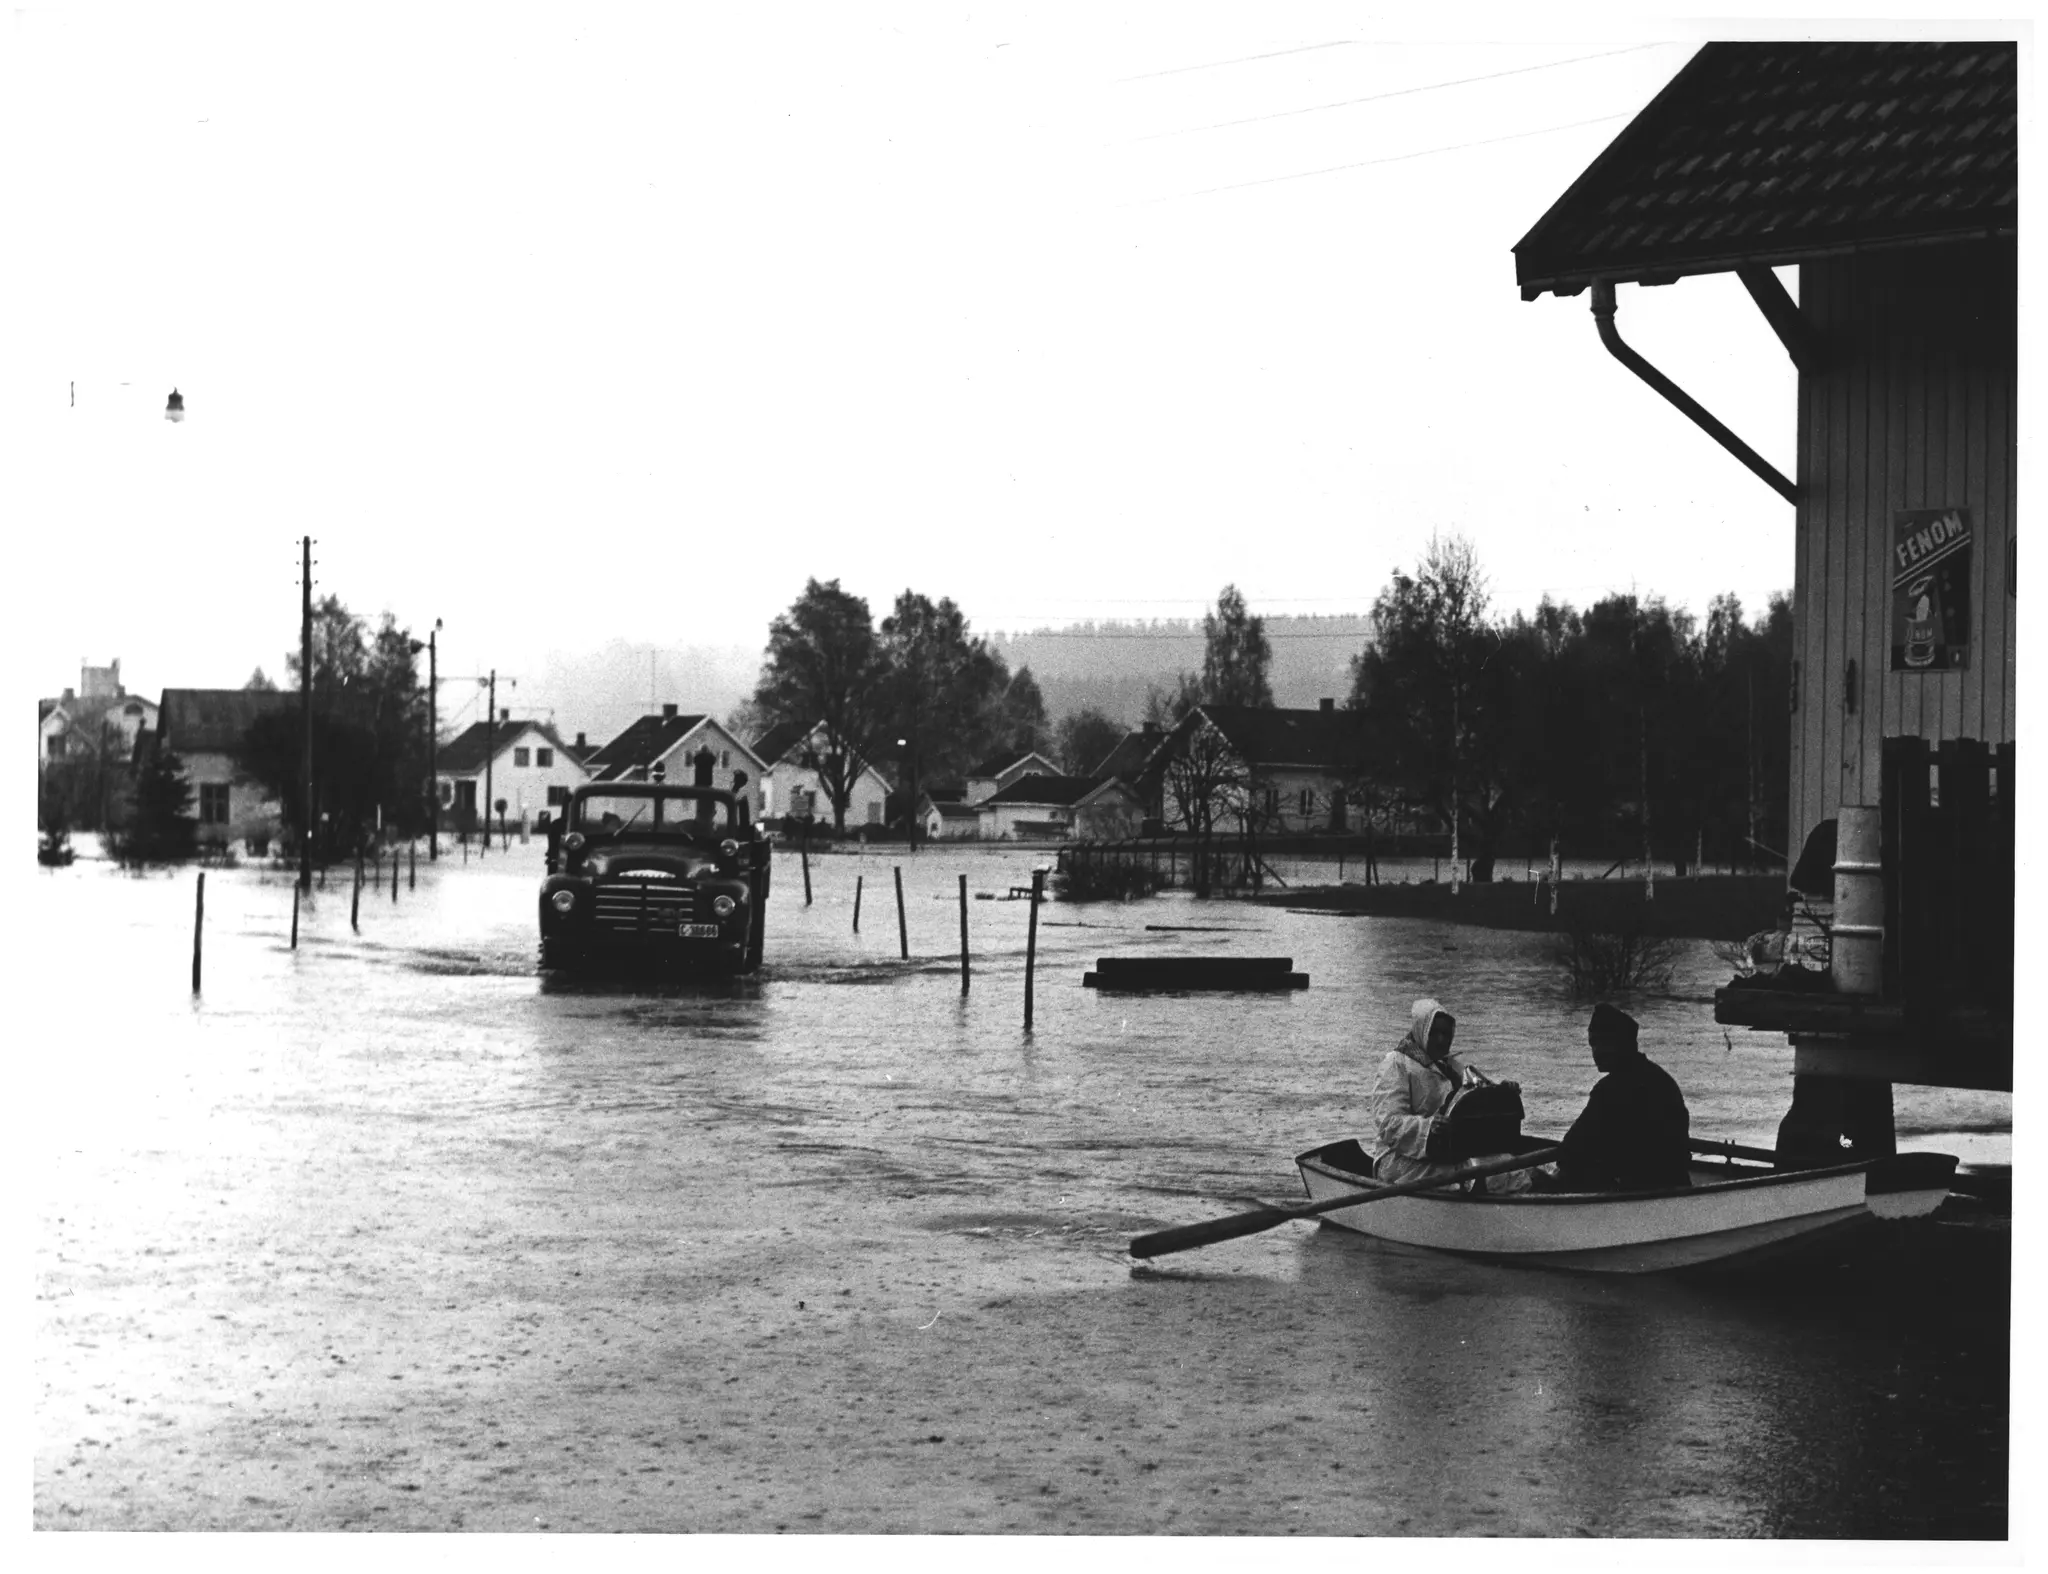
(668, 713)
(504, 713)
(1327, 706)
(1151, 729)
(581, 743)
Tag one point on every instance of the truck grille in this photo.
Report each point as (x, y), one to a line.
(646, 906)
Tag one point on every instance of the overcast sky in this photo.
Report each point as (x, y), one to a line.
(569, 324)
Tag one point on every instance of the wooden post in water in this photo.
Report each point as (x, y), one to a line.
(355, 898)
(857, 880)
(295, 915)
(394, 874)
(1031, 943)
(198, 928)
(412, 867)
(804, 844)
(963, 934)
(902, 925)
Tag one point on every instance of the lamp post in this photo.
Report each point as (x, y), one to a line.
(490, 747)
(433, 746)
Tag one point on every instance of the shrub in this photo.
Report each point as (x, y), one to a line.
(1105, 880)
(1602, 964)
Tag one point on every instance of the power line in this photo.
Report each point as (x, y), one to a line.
(1403, 92)
(1241, 60)
(1397, 158)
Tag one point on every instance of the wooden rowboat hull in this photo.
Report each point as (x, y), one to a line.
(1729, 1213)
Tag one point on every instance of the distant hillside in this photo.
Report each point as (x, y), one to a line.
(1111, 665)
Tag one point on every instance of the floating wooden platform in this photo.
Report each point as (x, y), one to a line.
(1244, 974)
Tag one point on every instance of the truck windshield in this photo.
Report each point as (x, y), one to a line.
(670, 814)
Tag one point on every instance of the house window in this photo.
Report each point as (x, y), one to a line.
(1308, 802)
(213, 803)
(56, 746)
(1272, 800)
(874, 813)
(558, 797)
(725, 759)
(544, 758)
(521, 756)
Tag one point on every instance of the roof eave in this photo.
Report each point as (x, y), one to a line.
(1666, 271)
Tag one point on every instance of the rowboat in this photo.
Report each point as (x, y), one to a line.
(1730, 1212)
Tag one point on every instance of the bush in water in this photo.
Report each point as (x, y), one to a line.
(1601, 964)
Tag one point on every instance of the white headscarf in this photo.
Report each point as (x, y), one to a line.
(1422, 1016)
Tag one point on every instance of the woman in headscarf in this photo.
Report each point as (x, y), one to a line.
(1414, 1081)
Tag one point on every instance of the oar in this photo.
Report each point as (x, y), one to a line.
(1187, 1236)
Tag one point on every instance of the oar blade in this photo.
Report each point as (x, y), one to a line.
(1186, 1237)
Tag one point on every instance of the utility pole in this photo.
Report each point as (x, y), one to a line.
(433, 746)
(490, 747)
(306, 707)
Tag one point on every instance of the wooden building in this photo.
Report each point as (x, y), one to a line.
(1886, 175)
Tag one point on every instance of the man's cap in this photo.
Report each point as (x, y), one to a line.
(1611, 1025)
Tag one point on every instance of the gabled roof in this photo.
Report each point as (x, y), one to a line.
(774, 744)
(996, 764)
(953, 809)
(1063, 791)
(1771, 153)
(463, 755)
(646, 741)
(1328, 740)
(1128, 758)
(214, 720)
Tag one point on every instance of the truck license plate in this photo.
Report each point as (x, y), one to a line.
(697, 931)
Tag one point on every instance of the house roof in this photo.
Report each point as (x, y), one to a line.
(1063, 791)
(778, 740)
(1762, 154)
(646, 741)
(953, 809)
(1128, 758)
(1262, 735)
(463, 754)
(191, 720)
(996, 764)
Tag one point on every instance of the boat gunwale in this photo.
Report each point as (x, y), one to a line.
(1755, 1181)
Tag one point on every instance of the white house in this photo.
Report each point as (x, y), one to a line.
(992, 775)
(1053, 808)
(71, 724)
(948, 820)
(794, 788)
(679, 744)
(1292, 765)
(204, 728)
(529, 768)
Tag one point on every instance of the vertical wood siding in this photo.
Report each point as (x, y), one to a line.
(1911, 407)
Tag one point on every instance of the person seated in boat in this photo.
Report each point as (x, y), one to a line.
(1634, 1134)
(1416, 1079)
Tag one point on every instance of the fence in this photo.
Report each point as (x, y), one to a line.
(1948, 850)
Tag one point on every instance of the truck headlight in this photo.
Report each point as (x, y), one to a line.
(729, 848)
(573, 841)
(562, 901)
(723, 906)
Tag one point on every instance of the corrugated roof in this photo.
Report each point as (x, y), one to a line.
(192, 720)
(1773, 153)
(1262, 735)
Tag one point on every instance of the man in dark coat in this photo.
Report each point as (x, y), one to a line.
(1633, 1133)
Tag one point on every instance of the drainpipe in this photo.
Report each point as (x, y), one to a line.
(1603, 316)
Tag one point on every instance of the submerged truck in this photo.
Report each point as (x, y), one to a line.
(656, 873)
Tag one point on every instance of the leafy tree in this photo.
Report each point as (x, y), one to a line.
(93, 777)
(1236, 654)
(940, 687)
(824, 667)
(369, 734)
(1085, 739)
(1439, 688)
(259, 681)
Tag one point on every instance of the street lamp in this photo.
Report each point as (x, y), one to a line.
(433, 739)
(174, 409)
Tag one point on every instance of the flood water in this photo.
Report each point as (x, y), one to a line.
(390, 1232)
